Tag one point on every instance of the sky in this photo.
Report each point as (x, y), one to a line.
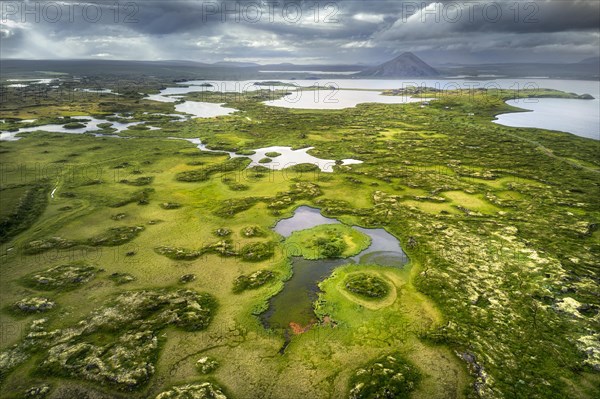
(302, 32)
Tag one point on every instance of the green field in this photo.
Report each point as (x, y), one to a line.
(162, 250)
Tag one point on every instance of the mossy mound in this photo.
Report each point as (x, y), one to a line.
(140, 181)
(33, 304)
(387, 377)
(203, 174)
(246, 152)
(118, 343)
(272, 154)
(231, 207)
(204, 390)
(265, 160)
(37, 392)
(252, 281)
(170, 205)
(177, 253)
(327, 241)
(74, 125)
(38, 246)
(256, 252)
(121, 278)
(252, 231)
(111, 237)
(206, 365)
(367, 285)
(187, 278)
(63, 277)
(305, 167)
(142, 197)
(222, 232)
(115, 236)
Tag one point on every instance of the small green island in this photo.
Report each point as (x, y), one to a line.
(327, 241)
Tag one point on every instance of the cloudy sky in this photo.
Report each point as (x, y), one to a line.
(308, 32)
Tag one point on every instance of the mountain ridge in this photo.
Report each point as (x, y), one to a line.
(406, 64)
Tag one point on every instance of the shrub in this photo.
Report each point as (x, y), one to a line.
(386, 377)
(367, 285)
(63, 277)
(256, 252)
(121, 278)
(252, 281)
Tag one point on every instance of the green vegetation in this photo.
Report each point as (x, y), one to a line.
(74, 125)
(24, 209)
(112, 237)
(170, 205)
(367, 285)
(500, 224)
(63, 277)
(327, 241)
(140, 181)
(133, 320)
(121, 278)
(207, 365)
(256, 252)
(204, 390)
(272, 154)
(387, 377)
(252, 231)
(33, 305)
(252, 281)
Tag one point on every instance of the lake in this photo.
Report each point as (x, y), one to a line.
(579, 117)
(288, 157)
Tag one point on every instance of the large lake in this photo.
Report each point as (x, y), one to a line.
(580, 117)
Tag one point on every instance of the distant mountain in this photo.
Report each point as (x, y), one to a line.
(236, 64)
(405, 65)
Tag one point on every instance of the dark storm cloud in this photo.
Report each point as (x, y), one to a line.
(521, 17)
(297, 31)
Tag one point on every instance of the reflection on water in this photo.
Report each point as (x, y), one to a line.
(579, 117)
(288, 157)
(91, 125)
(294, 304)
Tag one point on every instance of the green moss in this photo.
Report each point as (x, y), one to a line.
(367, 285)
(252, 281)
(33, 305)
(25, 211)
(133, 320)
(256, 252)
(63, 277)
(204, 390)
(115, 236)
(178, 253)
(272, 154)
(206, 365)
(327, 241)
(140, 181)
(74, 125)
(387, 377)
(170, 205)
(121, 278)
(252, 231)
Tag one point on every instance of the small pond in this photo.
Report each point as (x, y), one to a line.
(91, 125)
(294, 304)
